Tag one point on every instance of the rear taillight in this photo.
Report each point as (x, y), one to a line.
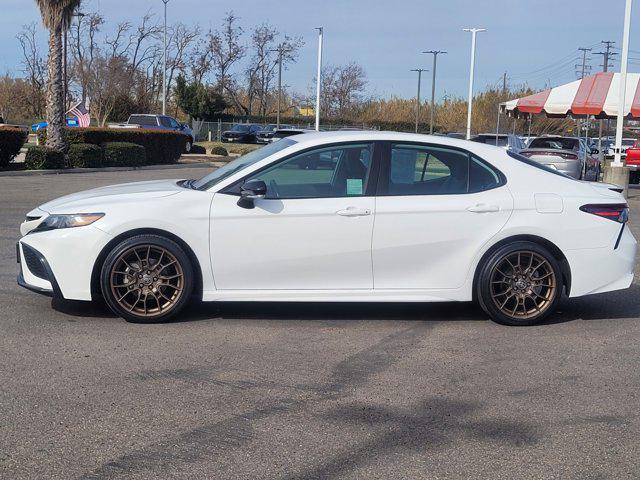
(569, 156)
(618, 212)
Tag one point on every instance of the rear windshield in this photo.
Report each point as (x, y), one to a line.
(555, 143)
(533, 163)
(146, 120)
(502, 141)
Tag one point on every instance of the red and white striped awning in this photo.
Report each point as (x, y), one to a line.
(595, 95)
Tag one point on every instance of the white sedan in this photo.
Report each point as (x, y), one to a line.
(344, 216)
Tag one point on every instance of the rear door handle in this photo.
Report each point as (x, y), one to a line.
(354, 212)
(484, 208)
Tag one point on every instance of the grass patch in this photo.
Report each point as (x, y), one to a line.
(232, 148)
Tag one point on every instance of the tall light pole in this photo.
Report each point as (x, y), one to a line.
(164, 62)
(617, 159)
(433, 87)
(319, 77)
(279, 50)
(419, 70)
(473, 31)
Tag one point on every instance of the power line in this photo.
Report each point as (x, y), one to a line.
(606, 55)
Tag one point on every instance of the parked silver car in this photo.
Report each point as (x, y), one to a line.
(569, 155)
(504, 140)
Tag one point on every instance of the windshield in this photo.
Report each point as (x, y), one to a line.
(241, 163)
(240, 128)
(555, 143)
(628, 141)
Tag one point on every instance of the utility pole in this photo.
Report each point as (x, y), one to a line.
(433, 87)
(319, 77)
(164, 62)
(584, 60)
(474, 32)
(280, 52)
(504, 83)
(606, 56)
(419, 70)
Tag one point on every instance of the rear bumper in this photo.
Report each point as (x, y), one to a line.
(598, 270)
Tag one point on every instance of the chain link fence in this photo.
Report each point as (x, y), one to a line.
(212, 131)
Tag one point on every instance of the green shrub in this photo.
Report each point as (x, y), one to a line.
(85, 155)
(124, 154)
(43, 158)
(11, 141)
(198, 149)
(219, 150)
(162, 146)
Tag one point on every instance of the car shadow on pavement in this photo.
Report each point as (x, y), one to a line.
(613, 305)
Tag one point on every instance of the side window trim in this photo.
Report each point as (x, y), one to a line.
(385, 168)
(370, 187)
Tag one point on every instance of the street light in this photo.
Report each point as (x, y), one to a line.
(473, 31)
(617, 162)
(433, 87)
(318, 76)
(164, 62)
(419, 70)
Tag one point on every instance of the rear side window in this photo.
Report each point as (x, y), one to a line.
(425, 170)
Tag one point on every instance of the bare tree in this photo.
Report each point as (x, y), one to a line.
(84, 48)
(34, 68)
(342, 87)
(182, 37)
(109, 77)
(226, 50)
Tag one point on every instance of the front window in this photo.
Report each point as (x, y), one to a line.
(241, 163)
(240, 128)
(335, 171)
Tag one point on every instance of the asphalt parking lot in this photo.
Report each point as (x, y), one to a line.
(294, 391)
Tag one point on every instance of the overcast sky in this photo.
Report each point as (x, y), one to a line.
(534, 41)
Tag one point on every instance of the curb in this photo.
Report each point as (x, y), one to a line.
(30, 173)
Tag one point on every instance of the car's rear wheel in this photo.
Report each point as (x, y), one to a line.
(187, 146)
(147, 279)
(519, 284)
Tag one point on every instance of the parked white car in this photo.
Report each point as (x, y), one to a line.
(341, 216)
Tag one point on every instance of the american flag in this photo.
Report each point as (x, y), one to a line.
(81, 112)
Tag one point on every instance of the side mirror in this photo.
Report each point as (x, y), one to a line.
(250, 191)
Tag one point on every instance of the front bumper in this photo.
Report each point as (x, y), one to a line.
(35, 267)
(60, 262)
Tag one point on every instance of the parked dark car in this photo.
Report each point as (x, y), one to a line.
(159, 122)
(266, 134)
(242, 133)
(288, 132)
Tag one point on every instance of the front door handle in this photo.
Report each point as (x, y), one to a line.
(354, 212)
(484, 208)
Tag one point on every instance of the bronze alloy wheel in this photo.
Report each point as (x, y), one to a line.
(523, 284)
(147, 280)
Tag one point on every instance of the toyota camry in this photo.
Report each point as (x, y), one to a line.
(344, 216)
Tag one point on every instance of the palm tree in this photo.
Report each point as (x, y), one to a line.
(56, 17)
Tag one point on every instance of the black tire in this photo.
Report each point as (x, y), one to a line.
(526, 285)
(188, 145)
(167, 275)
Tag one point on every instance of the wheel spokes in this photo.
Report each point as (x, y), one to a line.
(528, 290)
(152, 274)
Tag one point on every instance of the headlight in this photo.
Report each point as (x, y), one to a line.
(53, 222)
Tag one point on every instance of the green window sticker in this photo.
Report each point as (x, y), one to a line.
(354, 186)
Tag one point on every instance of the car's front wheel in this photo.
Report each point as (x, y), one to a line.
(519, 284)
(147, 279)
(188, 145)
